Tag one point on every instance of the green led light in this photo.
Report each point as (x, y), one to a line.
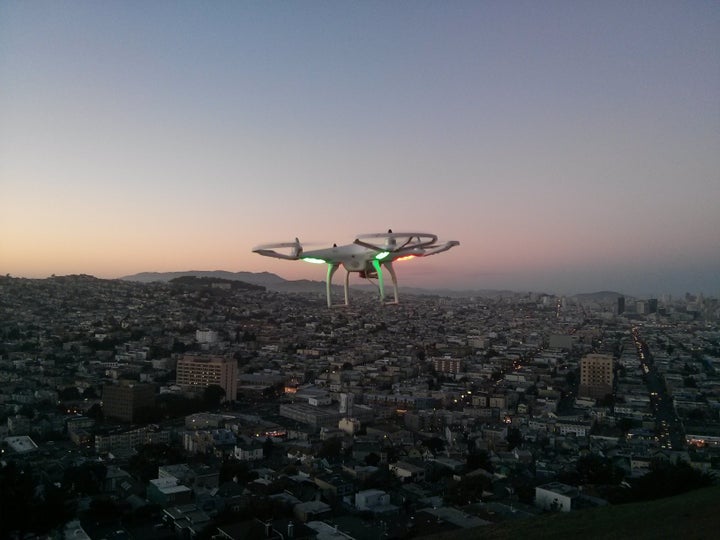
(313, 260)
(380, 256)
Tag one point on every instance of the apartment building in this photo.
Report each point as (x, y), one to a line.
(596, 375)
(195, 373)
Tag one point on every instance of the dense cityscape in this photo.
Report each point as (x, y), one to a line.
(212, 408)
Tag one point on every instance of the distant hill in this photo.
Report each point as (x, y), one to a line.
(268, 280)
(262, 278)
(273, 282)
(205, 282)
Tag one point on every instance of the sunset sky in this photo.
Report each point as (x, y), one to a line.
(570, 146)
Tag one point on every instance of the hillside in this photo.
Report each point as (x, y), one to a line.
(691, 515)
(264, 279)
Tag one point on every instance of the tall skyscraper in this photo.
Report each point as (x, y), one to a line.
(199, 372)
(620, 305)
(596, 375)
(123, 401)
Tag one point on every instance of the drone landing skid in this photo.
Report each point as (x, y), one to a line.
(332, 268)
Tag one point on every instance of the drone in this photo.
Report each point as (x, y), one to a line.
(367, 255)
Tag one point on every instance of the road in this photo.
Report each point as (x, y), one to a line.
(667, 423)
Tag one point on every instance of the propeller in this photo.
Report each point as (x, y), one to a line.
(269, 250)
(397, 241)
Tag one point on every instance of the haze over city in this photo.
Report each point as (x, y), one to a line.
(569, 147)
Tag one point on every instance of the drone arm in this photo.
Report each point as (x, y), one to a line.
(293, 250)
(434, 250)
(367, 245)
(275, 254)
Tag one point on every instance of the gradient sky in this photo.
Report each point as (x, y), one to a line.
(569, 146)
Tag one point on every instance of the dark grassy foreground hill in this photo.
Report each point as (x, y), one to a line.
(693, 515)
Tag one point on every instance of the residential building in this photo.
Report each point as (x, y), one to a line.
(168, 491)
(407, 471)
(596, 375)
(248, 450)
(447, 365)
(127, 440)
(123, 401)
(198, 372)
(371, 498)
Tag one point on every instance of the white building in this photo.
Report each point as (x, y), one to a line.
(407, 472)
(349, 425)
(206, 336)
(252, 451)
(555, 496)
(371, 498)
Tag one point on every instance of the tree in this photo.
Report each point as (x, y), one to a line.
(667, 479)
(626, 424)
(514, 437)
(103, 509)
(236, 471)
(90, 393)
(330, 448)
(479, 459)
(435, 444)
(268, 446)
(16, 494)
(467, 490)
(86, 479)
(144, 464)
(71, 393)
(54, 509)
(30, 505)
(594, 469)
(213, 396)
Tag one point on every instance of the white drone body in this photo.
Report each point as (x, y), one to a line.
(366, 255)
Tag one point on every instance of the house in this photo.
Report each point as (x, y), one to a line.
(334, 486)
(407, 472)
(375, 501)
(187, 520)
(168, 492)
(248, 450)
(255, 529)
(312, 510)
(119, 482)
(196, 476)
(455, 516)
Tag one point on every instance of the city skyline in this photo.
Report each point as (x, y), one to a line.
(568, 147)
